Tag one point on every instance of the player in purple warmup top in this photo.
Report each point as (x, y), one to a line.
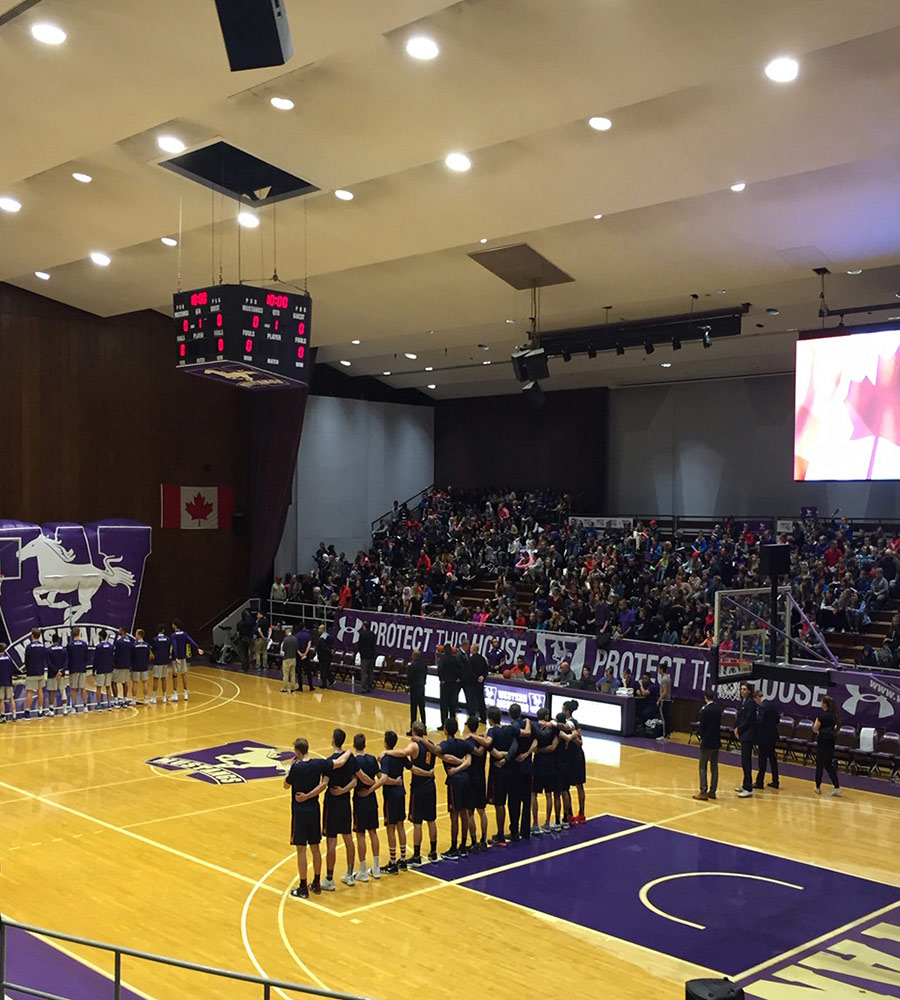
(7, 692)
(181, 643)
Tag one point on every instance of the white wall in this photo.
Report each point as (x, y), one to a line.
(355, 459)
(717, 448)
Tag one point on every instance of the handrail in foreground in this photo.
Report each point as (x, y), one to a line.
(267, 984)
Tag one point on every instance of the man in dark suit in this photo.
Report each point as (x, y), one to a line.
(478, 670)
(365, 646)
(710, 742)
(446, 669)
(416, 674)
(745, 730)
(767, 719)
(324, 650)
(464, 678)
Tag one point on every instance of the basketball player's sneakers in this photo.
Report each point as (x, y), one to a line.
(392, 868)
(348, 878)
(402, 864)
(432, 855)
(536, 830)
(174, 696)
(362, 875)
(416, 861)
(184, 695)
(375, 871)
(151, 701)
(328, 885)
(301, 892)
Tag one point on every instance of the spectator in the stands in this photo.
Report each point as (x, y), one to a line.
(879, 589)
(277, 592)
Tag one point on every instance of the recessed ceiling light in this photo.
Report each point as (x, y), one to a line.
(773, 312)
(412, 357)
(431, 385)
(422, 47)
(282, 103)
(599, 215)
(42, 275)
(458, 162)
(169, 241)
(82, 178)
(665, 364)
(343, 195)
(485, 362)
(356, 342)
(600, 124)
(248, 220)
(483, 239)
(10, 204)
(855, 270)
(100, 259)
(784, 69)
(720, 291)
(170, 144)
(346, 364)
(49, 34)
(385, 373)
(737, 188)
(513, 321)
(429, 368)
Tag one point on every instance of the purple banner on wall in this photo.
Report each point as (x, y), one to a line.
(865, 699)
(56, 576)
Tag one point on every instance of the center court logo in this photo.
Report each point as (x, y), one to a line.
(229, 764)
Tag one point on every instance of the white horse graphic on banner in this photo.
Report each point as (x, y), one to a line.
(58, 574)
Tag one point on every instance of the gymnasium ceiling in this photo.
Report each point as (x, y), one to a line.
(513, 86)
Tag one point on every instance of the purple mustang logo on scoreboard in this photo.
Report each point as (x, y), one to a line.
(56, 576)
(229, 764)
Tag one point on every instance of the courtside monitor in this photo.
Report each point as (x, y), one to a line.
(847, 406)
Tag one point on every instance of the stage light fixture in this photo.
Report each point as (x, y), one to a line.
(592, 351)
(648, 346)
(567, 356)
(707, 342)
(676, 342)
(620, 348)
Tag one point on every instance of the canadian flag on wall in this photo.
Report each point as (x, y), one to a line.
(197, 506)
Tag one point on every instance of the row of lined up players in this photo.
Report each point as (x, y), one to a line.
(527, 759)
(121, 671)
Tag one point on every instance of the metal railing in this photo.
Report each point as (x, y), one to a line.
(268, 985)
(389, 515)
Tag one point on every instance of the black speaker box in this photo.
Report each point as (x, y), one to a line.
(256, 33)
(530, 365)
(712, 989)
(774, 560)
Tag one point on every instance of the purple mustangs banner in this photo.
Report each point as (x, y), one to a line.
(55, 576)
(865, 699)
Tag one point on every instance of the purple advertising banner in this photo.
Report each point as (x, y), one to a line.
(865, 699)
(56, 576)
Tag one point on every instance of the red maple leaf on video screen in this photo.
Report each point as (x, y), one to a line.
(875, 407)
(199, 508)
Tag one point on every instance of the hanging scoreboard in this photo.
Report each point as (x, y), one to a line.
(254, 338)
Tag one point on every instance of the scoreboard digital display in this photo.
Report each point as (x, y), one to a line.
(255, 338)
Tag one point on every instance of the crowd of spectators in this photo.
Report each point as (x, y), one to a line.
(552, 571)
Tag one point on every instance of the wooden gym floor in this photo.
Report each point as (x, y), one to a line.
(96, 841)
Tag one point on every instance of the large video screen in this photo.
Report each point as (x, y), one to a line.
(847, 407)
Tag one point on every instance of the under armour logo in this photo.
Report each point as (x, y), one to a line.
(345, 628)
(851, 705)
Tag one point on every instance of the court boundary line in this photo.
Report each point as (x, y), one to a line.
(136, 836)
(815, 941)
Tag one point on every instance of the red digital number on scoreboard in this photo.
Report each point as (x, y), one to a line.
(277, 301)
(199, 299)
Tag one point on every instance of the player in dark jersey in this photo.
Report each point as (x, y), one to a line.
(578, 767)
(477, 784)
(457, 759)
(57, 668)
(161, 648)
(562, 802)
(103, 667)
(365, 809)
(422, 792)
(77, 650)
(544, 770)
(7, 691)
(140, 669)
(337, 813)
(522, 777)
(306, 779)
(501, 743)
(394, 794)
